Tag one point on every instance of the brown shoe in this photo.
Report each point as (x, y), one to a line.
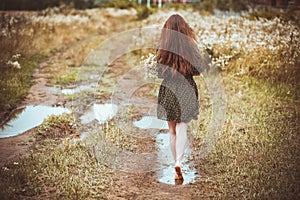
(178, 175)
(178, 181)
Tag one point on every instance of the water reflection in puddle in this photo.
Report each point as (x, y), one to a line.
(166, 173)
(100, 112)
(151, 122)
(28, 118)
(70, 91)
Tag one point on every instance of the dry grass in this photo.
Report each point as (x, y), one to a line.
(256, 157)
(56, 167)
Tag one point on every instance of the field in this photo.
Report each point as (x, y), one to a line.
(255, 152)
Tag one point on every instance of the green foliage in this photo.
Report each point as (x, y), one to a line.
(178, 6)
(224, 5)
(234, 5)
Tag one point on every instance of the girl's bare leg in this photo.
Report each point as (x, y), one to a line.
(181, 142)
(172, 129)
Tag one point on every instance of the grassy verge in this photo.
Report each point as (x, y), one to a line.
(16, 82)
(60, 166)
(256, 157)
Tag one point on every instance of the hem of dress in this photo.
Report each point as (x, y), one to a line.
(177, 121)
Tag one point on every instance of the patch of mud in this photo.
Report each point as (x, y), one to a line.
(12, 147)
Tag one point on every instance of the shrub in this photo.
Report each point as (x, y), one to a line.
(143, 12)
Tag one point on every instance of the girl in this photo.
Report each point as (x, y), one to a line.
(178, 59)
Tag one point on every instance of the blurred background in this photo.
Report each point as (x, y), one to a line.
(236, 5)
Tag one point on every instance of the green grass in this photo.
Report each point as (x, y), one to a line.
(69, 76)
(34, 41)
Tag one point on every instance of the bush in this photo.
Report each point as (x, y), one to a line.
(143, 12)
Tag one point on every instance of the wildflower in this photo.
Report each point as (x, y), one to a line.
(5, 168)
(227, 36)
(240, 94)
(14, 64)
(16, 56)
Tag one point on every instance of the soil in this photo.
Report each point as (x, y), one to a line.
(146, 186)
(40, 93)
(13, 147)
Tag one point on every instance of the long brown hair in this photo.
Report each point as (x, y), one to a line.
(178, 48)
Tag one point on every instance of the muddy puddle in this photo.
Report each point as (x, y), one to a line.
(26, 118)
(73, 90)
(148, 122)
(99, 112)
(166, 173)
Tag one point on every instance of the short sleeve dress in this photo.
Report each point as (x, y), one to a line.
(178, 96)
